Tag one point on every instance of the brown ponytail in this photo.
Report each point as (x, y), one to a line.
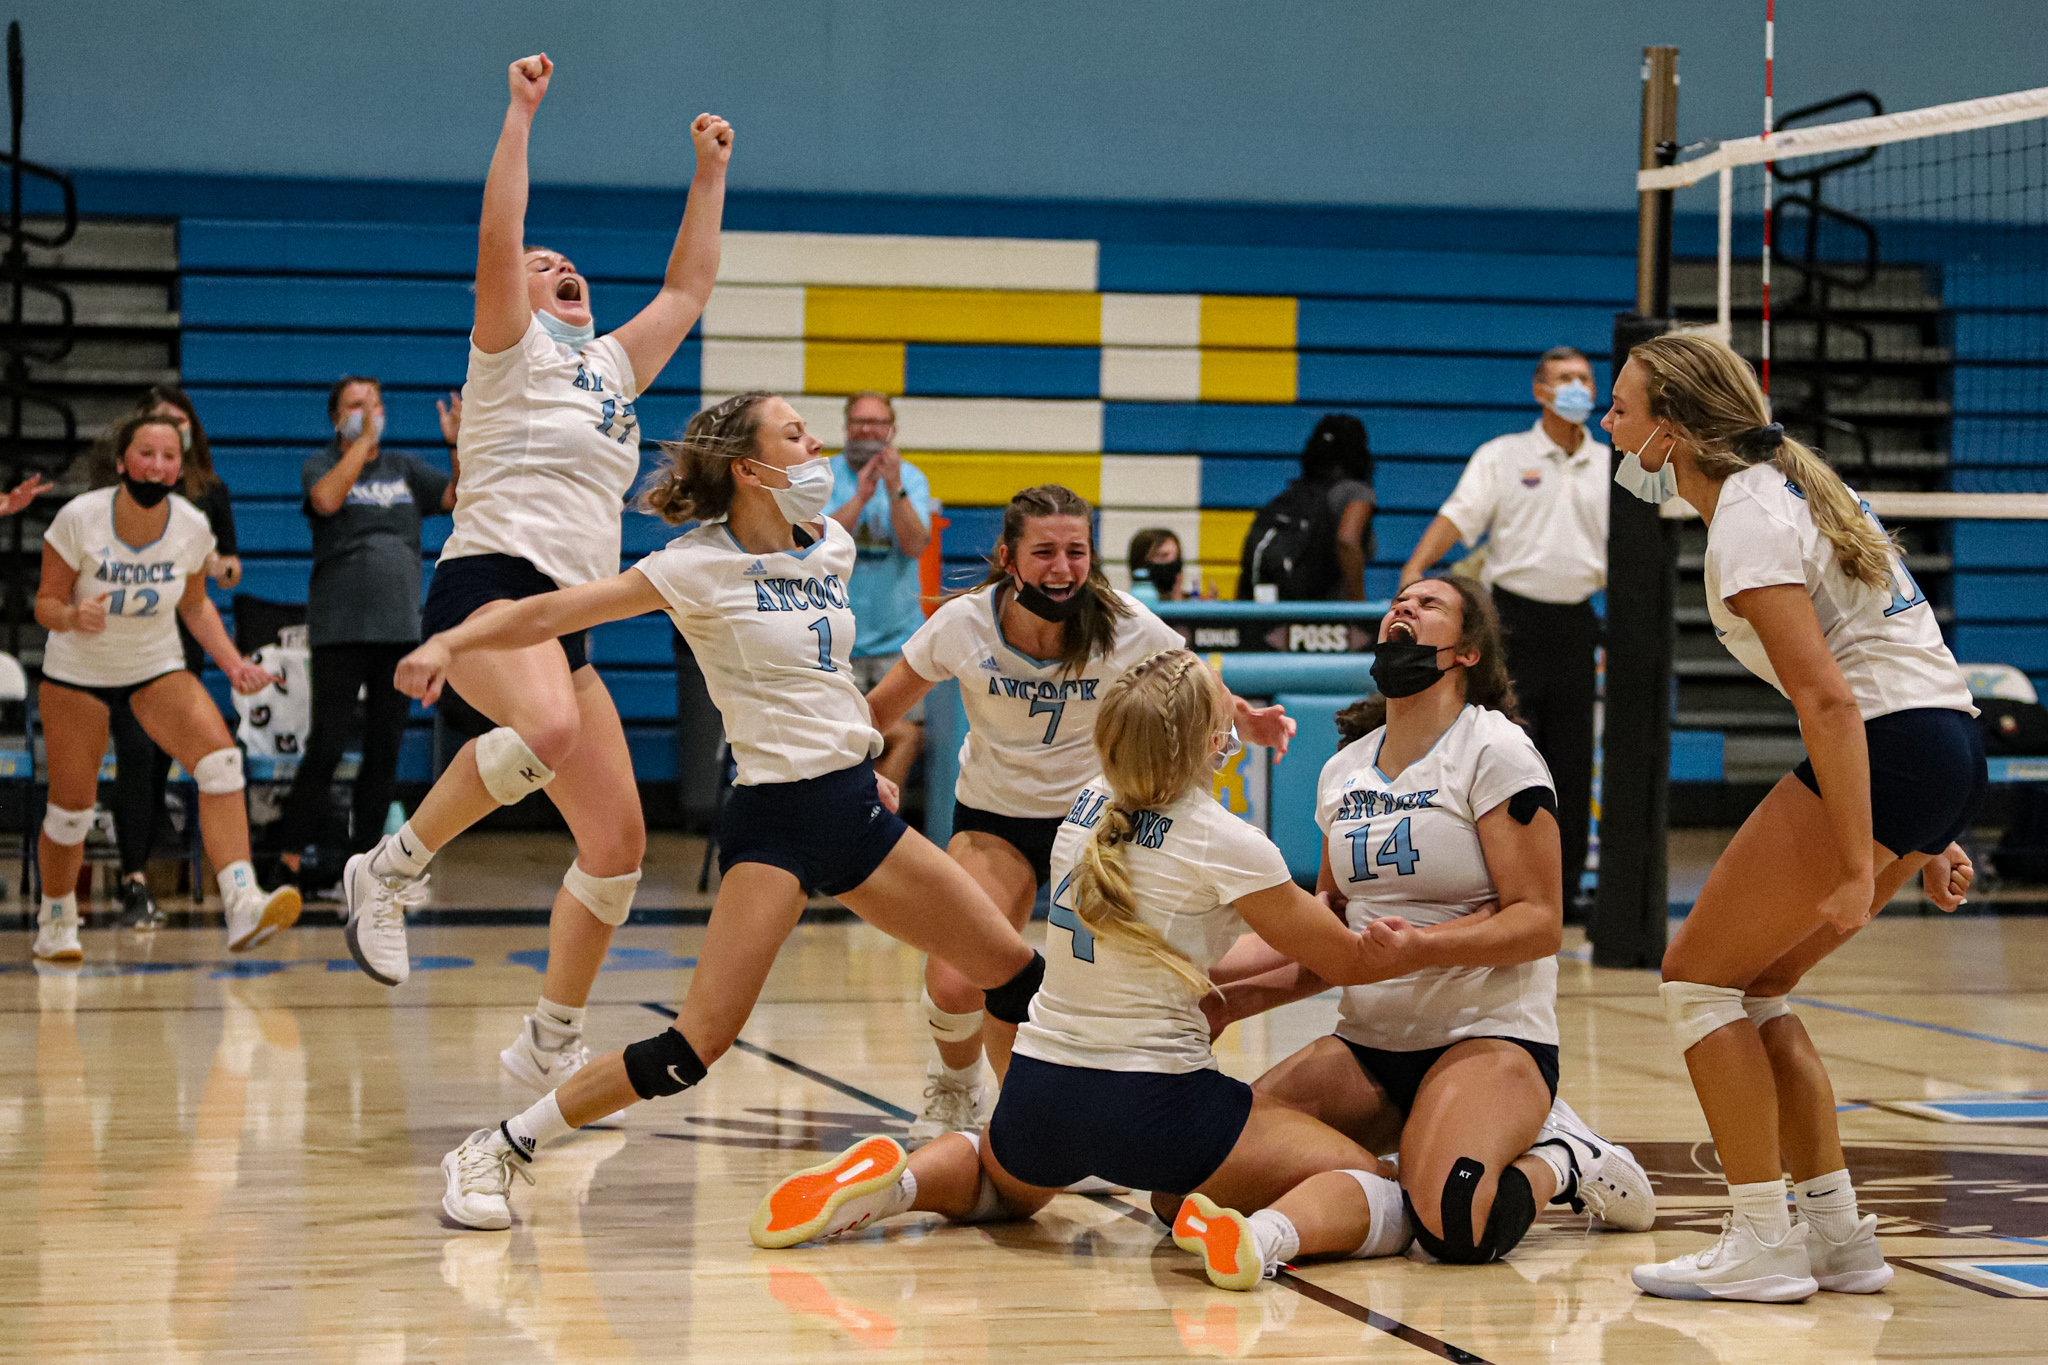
(696, 482)
(1091, 629)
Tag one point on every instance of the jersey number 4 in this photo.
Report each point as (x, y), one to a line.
(1066, 917)
(1397, 852)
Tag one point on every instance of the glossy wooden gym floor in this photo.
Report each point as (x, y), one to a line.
(219, 1161)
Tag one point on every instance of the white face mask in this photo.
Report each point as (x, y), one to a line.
(573, 335)
(810, 488)
(1656, 486)
(1232, 747)
(352, 429)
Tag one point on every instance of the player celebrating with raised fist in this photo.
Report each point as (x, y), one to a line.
(121, 566)
(549, 447)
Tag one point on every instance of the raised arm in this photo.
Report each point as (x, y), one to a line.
(656, 330)
(1831, 723)
(1436, 542)
(503, 312)
(530, 621)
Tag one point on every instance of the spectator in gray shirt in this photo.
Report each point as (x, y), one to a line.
(366, 504)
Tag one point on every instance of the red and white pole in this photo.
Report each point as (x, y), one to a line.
(1770, 54)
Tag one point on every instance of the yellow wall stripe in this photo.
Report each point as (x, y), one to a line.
(1223, 532)
(849, 366)
(1248, 376)
(1258, 322)
(964, 478)
(957, 315)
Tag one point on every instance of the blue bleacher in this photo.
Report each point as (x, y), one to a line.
(1309, 271)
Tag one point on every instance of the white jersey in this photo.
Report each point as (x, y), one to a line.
(276, 720)
(1030, 725)
(1886, 643)
(774, 636)
(142, 584)
(1409, 846)
(550, 448)
(1106, 1006)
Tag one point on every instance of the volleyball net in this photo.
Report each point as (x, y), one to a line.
(1888, 273)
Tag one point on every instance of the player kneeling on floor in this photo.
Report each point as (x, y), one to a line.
(1112, 1075)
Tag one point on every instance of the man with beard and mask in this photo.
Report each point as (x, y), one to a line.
(887, 504)
(1539, 499)
(1033, 647)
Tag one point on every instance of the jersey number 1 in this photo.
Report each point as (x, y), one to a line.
(823, 628)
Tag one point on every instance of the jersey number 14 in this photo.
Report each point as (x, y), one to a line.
(1397, 852)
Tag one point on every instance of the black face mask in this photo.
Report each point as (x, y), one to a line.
(146, 495)
(1036, 601)
(1165, 577)
(1402, 670)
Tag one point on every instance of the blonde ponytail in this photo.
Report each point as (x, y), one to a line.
(1709, 394)
(1152, 734)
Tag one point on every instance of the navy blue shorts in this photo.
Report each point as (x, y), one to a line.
(1146, 1129)
(1927, 778)
(1399, 1074)
(829, 832)
(460, 586)
(1031, 836)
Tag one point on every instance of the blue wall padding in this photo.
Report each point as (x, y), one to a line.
(1696, 755)
(1292, 787)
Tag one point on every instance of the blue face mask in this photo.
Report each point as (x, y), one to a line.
(570, 335)
(1572, 401)
(1656, 486)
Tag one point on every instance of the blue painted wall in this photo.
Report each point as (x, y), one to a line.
(1482, 103)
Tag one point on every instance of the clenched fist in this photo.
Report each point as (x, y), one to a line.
(713, 137)
(528, 78)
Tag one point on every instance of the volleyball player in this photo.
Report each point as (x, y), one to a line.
(759, 591)
(550, 447)
(1032, 648)
(121, 566)
(1441, 841)
(1113, 1076)
(1809, 593)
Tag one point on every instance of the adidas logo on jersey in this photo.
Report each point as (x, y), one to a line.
(755, 570)
(991, 665)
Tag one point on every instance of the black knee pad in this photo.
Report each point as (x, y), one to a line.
(1514, 1208)
(1011, 1001)
(665, 1064)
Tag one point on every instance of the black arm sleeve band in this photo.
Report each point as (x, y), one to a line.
(1524, 804)
(1011, 1001)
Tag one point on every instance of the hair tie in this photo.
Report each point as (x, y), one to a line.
(1769, 436)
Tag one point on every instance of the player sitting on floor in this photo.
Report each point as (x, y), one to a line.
(1112, 1076)
(1441, 845)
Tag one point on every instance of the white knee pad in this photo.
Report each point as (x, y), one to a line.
(509, 769)
(951, 1028)
(1761, 1009)
(219, 773)
(610, 899)
(1695, 1010)
(67, 828)
(1390, 1233)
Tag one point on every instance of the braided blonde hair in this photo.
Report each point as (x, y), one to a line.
(1709, 394)
(1152, 733)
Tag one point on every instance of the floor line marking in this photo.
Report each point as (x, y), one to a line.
(1358, 1312)
(1919, 1023)
(852, 1092)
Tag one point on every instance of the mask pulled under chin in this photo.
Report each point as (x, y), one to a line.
(1039, 603)
(1402, 670)
(573, 335)
(1657, 486)
(145, 494)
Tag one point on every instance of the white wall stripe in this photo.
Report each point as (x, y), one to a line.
(1151, 320)
(1151, 374)
(1039, 425)
(1151, 481)
(740, 310)
(777, 366)
(905, 262)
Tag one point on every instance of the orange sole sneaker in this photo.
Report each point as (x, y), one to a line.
(1223, 1239)
(802, 1206)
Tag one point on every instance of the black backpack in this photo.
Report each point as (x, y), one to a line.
(1292, 545)
(2012, 728)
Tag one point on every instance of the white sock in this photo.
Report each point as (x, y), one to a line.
(1553, 1153)
(557, 1026)
(904, 1196)
(236, 880)
(969, 1075)
(1389, 1234)
(60, 907)
(1276, 1237)
(1828, 1204)
(1761, 1208)
(537, 1127)
(401, 855)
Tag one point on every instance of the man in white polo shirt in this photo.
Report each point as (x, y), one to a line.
(1540, 497)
